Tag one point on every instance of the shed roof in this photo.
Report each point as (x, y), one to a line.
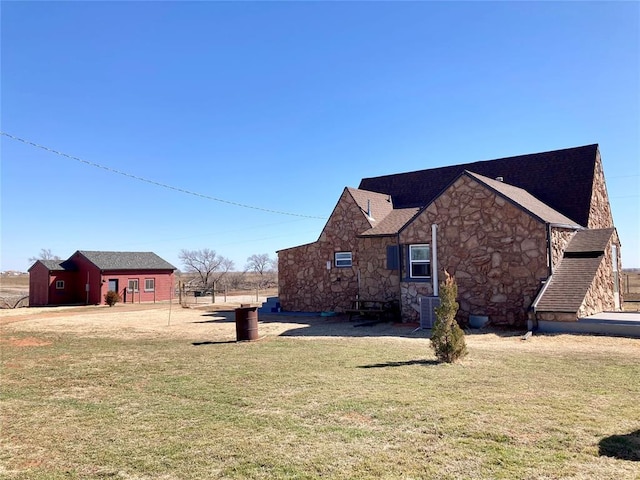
(575, 273)
(594, 240)
(547, 176)
(126, 260)
(55, 265)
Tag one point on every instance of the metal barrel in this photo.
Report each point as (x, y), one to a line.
(246, 323)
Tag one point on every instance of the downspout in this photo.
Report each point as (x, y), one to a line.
(434, 259)
(399, 272)
(549, 249)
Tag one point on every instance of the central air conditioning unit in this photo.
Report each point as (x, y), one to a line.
(427, 311)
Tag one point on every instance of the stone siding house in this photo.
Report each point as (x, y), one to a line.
(527, 238)
(86, 276)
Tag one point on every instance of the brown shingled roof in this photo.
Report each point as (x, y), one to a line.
(562, 179)
(380, 204)
(575, 273)
(525, 200)
(392, 223)
(569, 285)
(593, 240)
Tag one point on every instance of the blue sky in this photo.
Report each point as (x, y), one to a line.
(280, 105)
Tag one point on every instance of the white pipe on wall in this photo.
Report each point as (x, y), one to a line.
(434, 259)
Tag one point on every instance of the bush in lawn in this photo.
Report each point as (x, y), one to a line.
(111, 298)
(447, 338)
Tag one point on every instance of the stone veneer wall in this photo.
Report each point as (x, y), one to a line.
(599, 297)
(495, 250)
(560, 238)
(376, 281)
(305, 284)
(599, 209)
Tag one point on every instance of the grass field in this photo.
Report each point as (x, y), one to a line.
(101, 406)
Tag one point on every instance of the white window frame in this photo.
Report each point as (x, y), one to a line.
(59, 284)
(135, 283)
(343, 259)
(153, 285)
(413, 262)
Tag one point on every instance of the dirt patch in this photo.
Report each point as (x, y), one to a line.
(25, 342)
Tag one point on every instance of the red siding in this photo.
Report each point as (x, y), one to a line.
(43, 291)
(162, 291)
(38, 285)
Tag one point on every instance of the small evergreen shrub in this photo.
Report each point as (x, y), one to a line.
(447, 338)
(111, 298)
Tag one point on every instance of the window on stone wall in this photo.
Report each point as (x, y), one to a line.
(149, 284)
(419, 261)
(343, 259)
(60, 284)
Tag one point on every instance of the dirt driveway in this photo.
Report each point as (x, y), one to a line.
(197, 323)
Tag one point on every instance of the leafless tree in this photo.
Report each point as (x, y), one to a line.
(264, 266)
(45, 254)
(209, 266)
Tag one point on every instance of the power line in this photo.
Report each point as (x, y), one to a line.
(153, 182)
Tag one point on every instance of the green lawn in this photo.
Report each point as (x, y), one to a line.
(95, 408)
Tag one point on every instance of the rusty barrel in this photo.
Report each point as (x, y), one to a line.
(246, 323)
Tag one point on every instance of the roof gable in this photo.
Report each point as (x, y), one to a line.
(547, 176)
(126, 260)
(524, 199)
(374, 205)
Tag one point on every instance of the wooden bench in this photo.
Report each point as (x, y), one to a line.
(380, 309)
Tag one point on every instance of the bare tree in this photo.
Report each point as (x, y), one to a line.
(264, 266)
(209, 266)
(45, 254)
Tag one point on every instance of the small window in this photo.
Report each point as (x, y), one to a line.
(59, 284)
(343, 259)
(149, 284)
(133, 285)
(420, 261)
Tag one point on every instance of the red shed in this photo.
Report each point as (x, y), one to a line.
(87, 276)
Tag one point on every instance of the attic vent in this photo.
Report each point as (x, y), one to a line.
(427, 311)
(500, 179)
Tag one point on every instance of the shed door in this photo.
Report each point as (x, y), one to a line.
(113, 284)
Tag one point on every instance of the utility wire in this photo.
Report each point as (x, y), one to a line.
(153, 182)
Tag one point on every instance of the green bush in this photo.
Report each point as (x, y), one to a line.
(447, 338)
(111, 298)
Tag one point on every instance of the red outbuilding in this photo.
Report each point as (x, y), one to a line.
(86, 276)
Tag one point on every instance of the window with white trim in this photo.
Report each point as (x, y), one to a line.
(419, 261)
(59, 284)
(343, 259)
(133, 285)
(149, 284)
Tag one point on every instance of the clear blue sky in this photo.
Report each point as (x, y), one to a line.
(280, 105)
